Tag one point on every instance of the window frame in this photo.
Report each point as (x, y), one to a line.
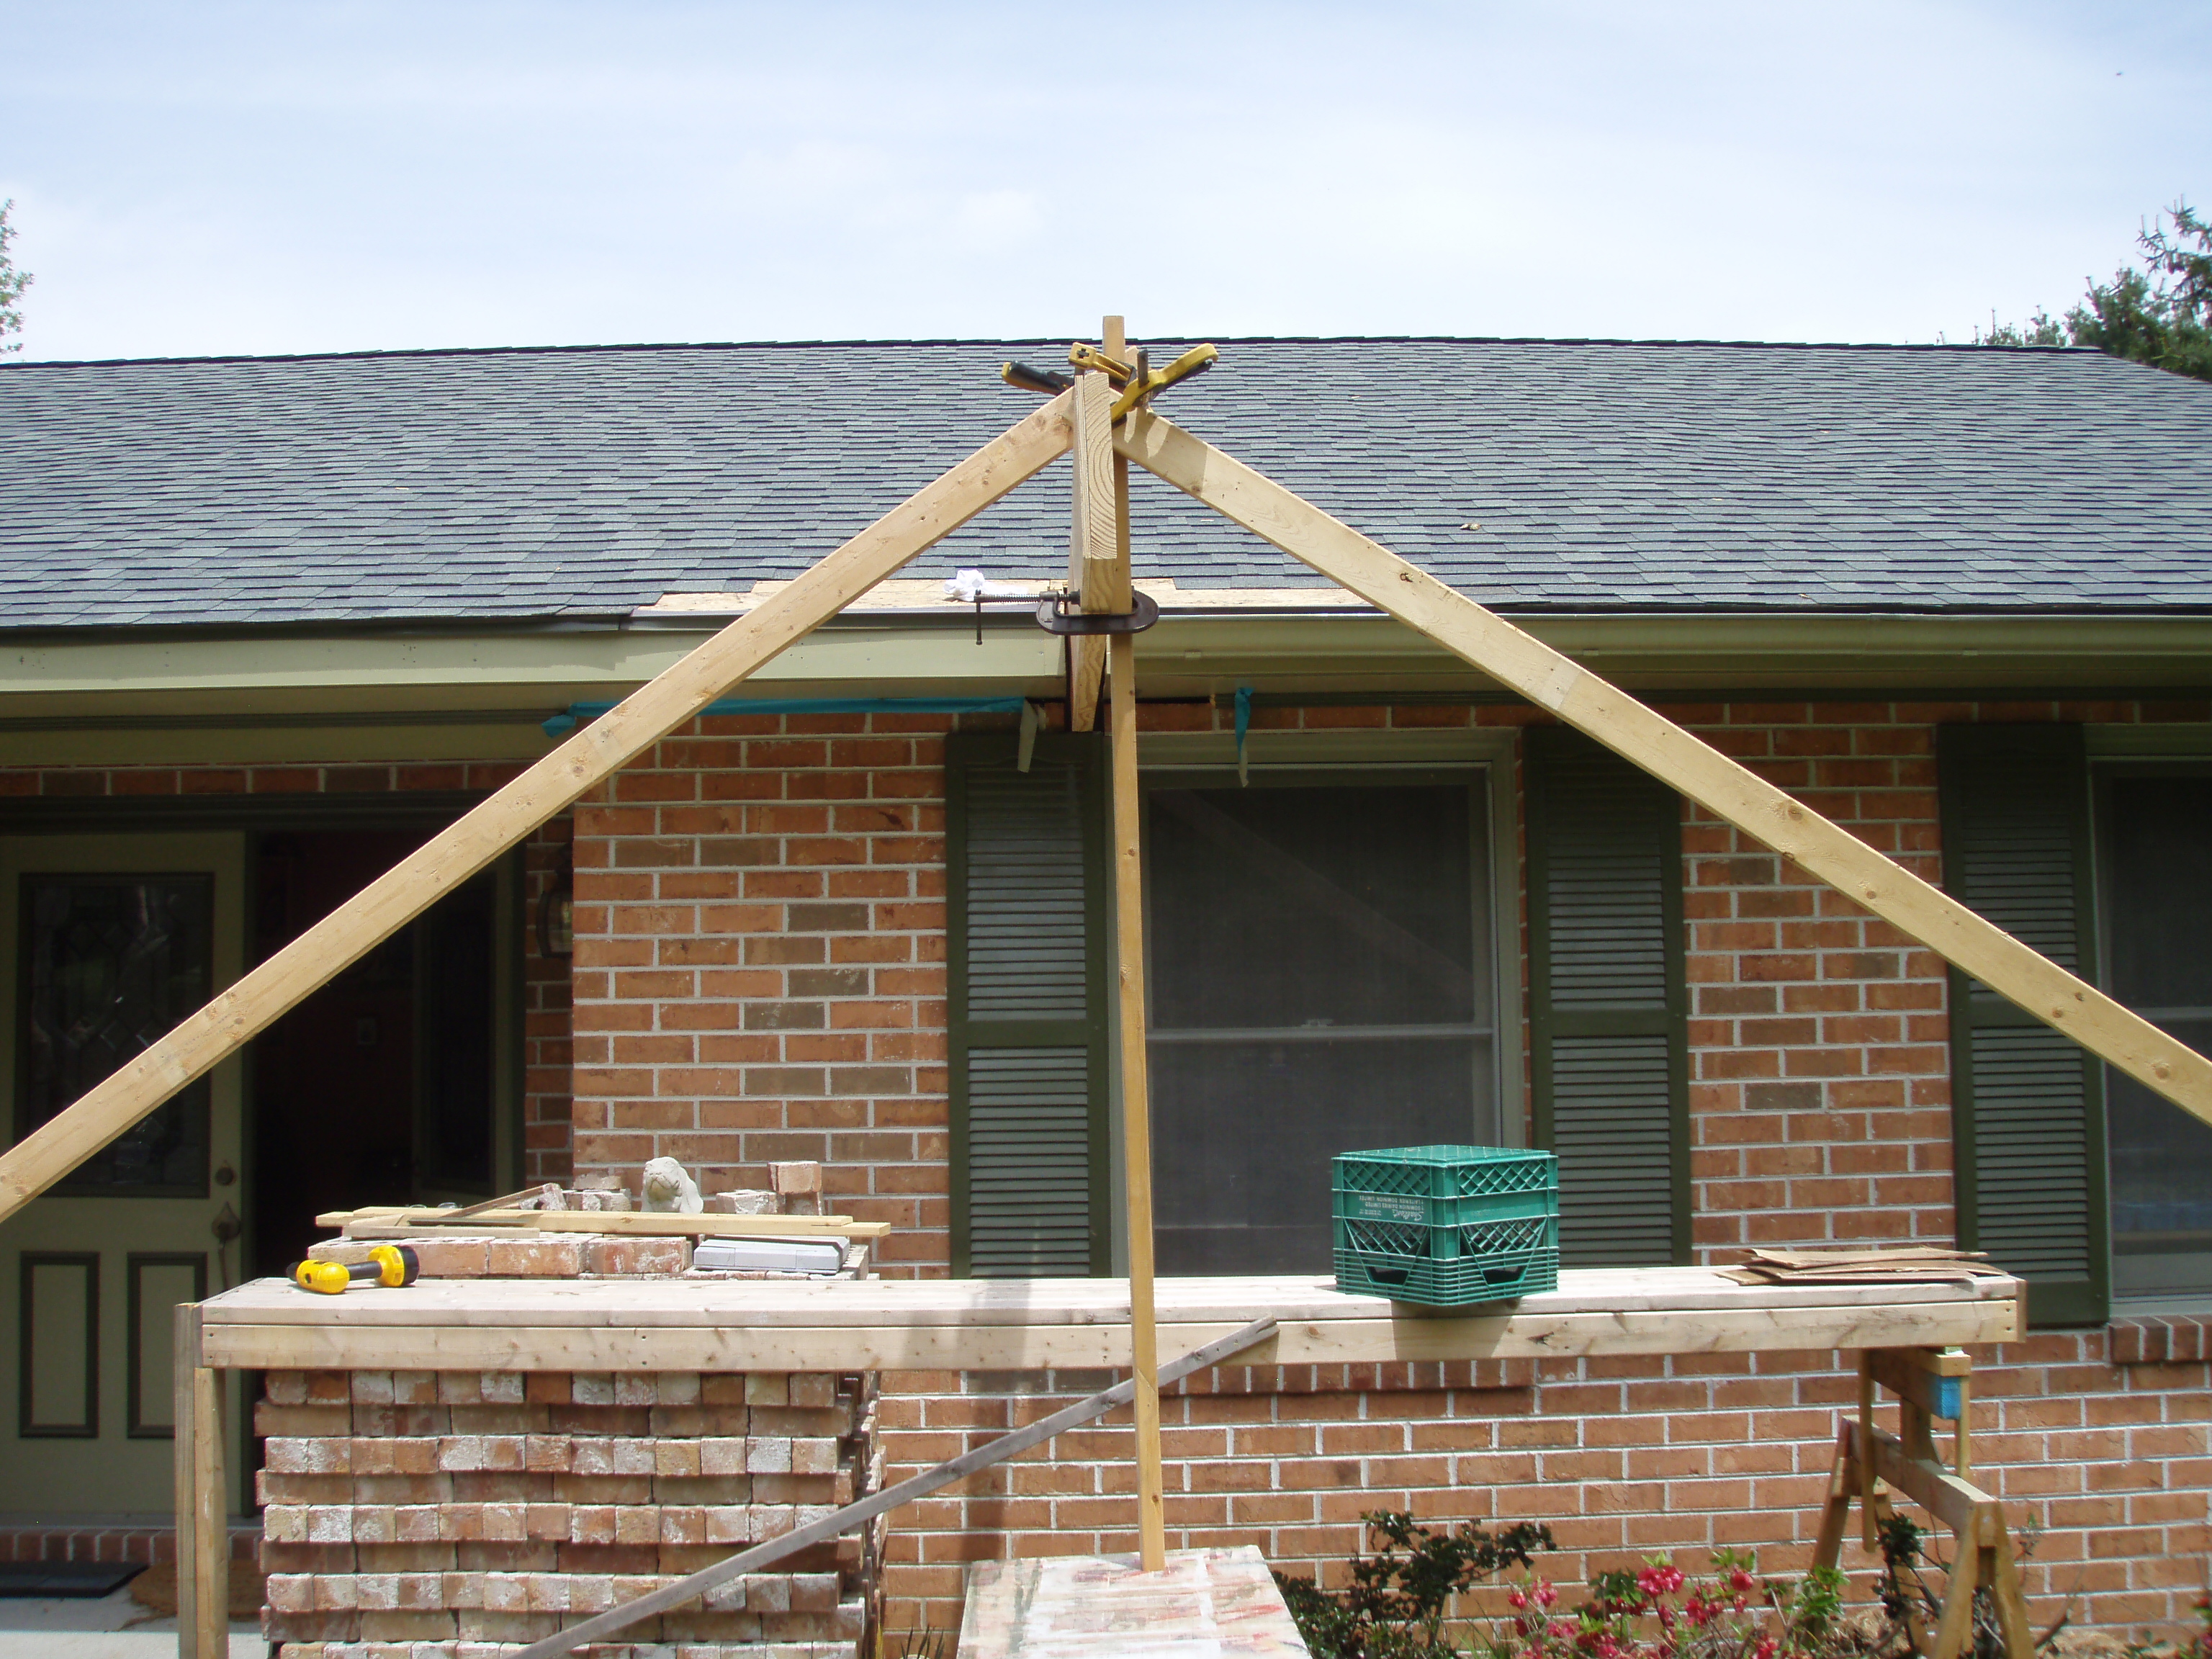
(2131, 752)
(1481, 759)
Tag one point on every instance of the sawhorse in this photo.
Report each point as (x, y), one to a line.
(1929, 1383)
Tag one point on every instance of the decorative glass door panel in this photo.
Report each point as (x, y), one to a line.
(109, 965)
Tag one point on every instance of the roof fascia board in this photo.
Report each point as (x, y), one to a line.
(518, 673)
(565, 667)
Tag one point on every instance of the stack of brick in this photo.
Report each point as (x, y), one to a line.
(422, 1514)
(505, 1252)
(458, 1514)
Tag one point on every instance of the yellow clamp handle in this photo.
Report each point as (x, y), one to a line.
(392, 1265)
(1196, 361)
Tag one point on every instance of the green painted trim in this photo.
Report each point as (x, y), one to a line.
(965, 751)
(1192, 654)
(569, 666)
(1545, 746)
(2071, 1303)
(135, 1263)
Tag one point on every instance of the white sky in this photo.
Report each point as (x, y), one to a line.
(310, 177)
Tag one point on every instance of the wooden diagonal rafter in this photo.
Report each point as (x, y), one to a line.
(1557, 684)
(203, 1039)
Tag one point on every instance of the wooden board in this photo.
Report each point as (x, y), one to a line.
(1096, 536)
(1136, 1109)
(1557, 682)
(635, 1222)
(595, 753)
(904, 1325)
(1201, 1604)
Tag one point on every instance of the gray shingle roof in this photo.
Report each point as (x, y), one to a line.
(1583, 475)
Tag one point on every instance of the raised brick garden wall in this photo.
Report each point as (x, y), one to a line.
(449, 1509)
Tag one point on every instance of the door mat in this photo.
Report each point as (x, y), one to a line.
(57, 1578)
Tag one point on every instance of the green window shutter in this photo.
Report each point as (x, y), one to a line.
(2027, 1104)
(1609, 1033)
(1026, 960)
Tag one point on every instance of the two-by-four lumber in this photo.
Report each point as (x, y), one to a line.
(1136, 1109)
(1982, 1553)
(202, 1498)
(1101, 553)
(594, 754)
(1098, 541)
(867, 1509)
(640, 1223)
(1556, 683)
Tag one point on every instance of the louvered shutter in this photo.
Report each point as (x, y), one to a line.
(1609, 1033)
(2027, 1104)
(1026, 965)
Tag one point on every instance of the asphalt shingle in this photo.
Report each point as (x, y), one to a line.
(512, 485)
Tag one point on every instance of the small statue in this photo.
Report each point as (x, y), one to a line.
(669, 1189)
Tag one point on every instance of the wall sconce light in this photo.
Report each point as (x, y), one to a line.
(556, 931)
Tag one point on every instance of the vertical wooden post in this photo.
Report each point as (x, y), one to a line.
(1962, 1441)
(183, 1362)
(1870, 1525)
(203, 1502)
(1095, 587)
(1136, 1105)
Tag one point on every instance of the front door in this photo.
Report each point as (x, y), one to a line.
(106, 942)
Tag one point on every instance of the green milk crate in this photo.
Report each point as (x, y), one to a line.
(1446, 1226)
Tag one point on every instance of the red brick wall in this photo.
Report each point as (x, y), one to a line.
(1820, 1097)
(759, 977)
(760, 963)
(547, 1087)
(1623, 1459)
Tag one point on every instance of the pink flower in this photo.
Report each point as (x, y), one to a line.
(1545, 1596)
(1739, 1581)
(1768, 1646)
(1516, 1601)
(1659, 1581)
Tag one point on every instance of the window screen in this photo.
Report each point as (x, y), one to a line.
(1320, 979)
(2155, 858)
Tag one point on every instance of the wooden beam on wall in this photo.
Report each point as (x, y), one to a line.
(593, 755)
(1557, 684)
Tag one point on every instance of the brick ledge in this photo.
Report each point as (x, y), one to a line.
(2159, 1339)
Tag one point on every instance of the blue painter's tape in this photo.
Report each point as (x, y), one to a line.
(1947, 1397)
